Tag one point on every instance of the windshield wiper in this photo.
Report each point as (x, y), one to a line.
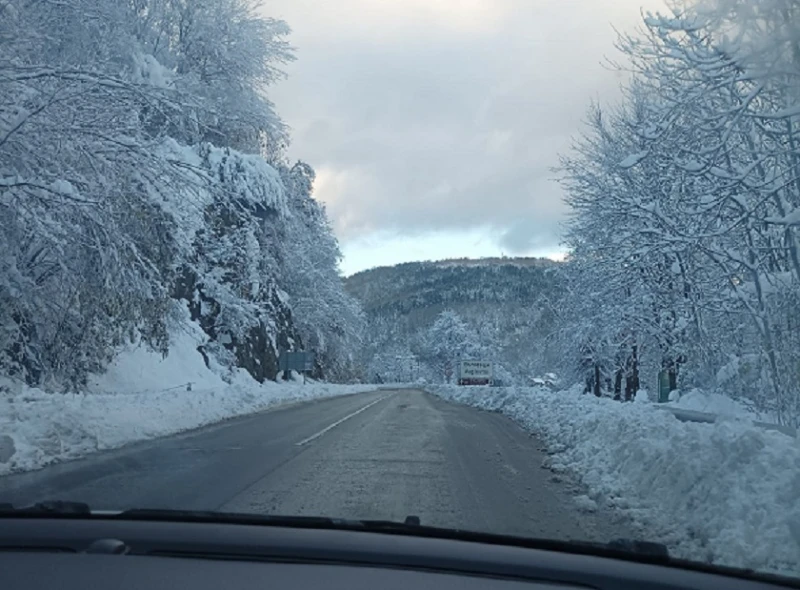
(50, 508)
(411, 526)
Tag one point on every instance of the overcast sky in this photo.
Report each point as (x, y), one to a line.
(433, 125)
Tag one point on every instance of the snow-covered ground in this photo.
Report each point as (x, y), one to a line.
(719, 404)
(141, 396)
(727, 492)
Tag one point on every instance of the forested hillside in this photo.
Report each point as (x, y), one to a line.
(142, 174)
(422, 316)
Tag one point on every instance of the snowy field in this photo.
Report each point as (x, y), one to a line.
(141, 396)
(727, 492)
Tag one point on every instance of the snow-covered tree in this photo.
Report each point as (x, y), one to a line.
(330, 320)
(684, 233)
(449, 340)
(140, 164)
(223, 54)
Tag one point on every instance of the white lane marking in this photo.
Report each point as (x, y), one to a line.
(335, 424)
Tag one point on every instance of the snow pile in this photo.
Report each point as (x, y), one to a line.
(717, 403)
(725, 493)
(142, 395)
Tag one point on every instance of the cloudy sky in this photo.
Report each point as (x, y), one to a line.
(434, 124)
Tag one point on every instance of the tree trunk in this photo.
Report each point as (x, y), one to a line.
(632, 378)
(597, 380)
(628, 387)
(618, 384)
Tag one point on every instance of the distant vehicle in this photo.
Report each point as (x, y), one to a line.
(549, 380)
(472, 372)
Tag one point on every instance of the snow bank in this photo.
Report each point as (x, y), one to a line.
(727, 493)
(716, 403)
(142, 395)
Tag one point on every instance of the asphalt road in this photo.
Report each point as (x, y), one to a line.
(381, 455)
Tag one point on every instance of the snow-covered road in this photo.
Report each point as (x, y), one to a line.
(384, 455)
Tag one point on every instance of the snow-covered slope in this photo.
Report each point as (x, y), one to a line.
(138, 369)
(725, 492)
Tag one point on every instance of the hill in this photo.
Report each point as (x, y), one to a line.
(505, 304)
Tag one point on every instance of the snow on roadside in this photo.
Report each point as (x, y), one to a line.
(727, 493)
(716, 403)
(141, 396)
(137, 369)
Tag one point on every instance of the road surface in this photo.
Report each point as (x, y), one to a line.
(379, 455)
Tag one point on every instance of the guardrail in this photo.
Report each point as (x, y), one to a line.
(695, 416)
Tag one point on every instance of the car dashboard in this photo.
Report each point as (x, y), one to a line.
(79, 553)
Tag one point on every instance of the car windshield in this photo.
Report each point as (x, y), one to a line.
(514, 267)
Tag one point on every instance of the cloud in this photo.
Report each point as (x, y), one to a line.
(528, 235)
(387, 20)
(445, 115)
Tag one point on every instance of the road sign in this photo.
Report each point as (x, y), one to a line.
(299, 360)
(471, 372)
